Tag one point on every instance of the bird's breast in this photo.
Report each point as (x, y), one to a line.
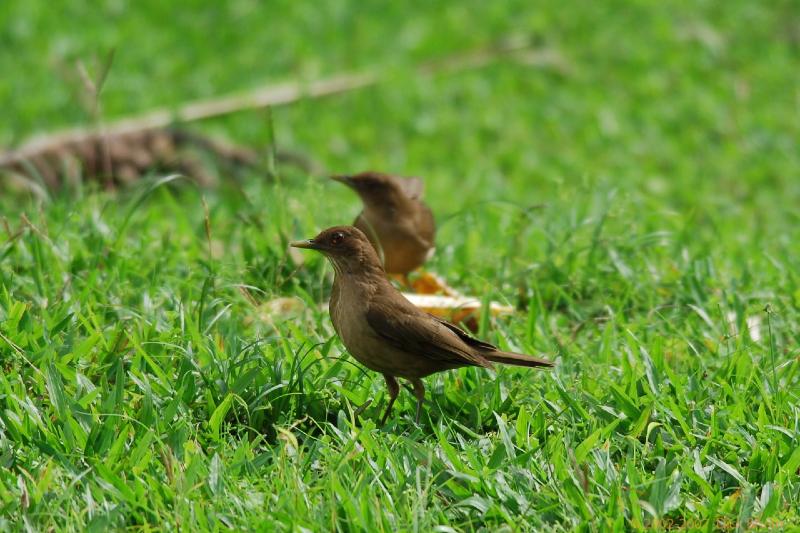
(348, 309)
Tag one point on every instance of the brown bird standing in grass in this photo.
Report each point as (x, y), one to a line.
(395, 219)
(384, 331)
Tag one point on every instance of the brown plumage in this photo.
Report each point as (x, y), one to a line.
(384, 331)
(395, 219)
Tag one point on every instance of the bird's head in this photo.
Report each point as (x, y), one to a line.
(377, 190)
(347, 248)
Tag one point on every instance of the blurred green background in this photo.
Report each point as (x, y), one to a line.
(656, 94)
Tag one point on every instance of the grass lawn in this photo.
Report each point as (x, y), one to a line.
(637, 202)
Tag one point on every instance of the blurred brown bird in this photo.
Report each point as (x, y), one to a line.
(395, 219)
(384, 331)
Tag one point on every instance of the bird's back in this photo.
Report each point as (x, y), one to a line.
(403, 238)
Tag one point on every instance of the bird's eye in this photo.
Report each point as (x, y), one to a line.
(337, 238)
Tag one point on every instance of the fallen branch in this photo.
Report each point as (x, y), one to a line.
(163, 118)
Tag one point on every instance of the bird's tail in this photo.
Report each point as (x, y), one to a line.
(511, 358)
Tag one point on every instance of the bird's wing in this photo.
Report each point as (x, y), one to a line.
(413, 331)
(468, 339)
(492, 353)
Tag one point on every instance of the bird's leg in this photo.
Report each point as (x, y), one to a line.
(419, 392)
(394, 390)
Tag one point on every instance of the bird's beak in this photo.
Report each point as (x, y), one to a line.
(308, 244)
(347, 180)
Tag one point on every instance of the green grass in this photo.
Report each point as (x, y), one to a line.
(147, 384)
